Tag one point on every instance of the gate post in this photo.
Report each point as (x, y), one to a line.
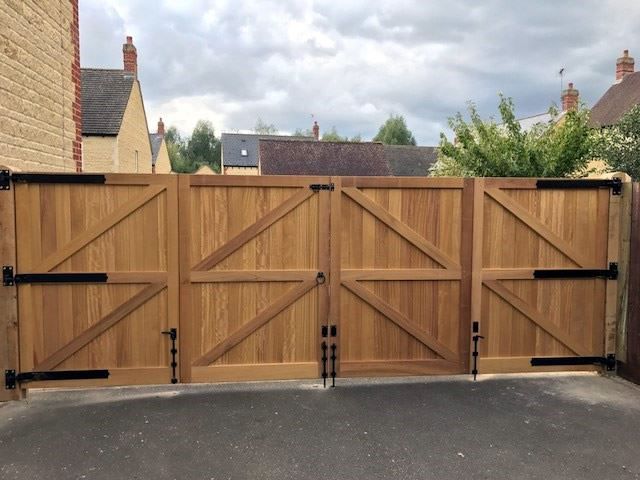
(8, 295)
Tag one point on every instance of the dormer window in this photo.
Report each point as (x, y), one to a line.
(244, 152)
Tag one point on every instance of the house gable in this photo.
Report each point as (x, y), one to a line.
(134, 147)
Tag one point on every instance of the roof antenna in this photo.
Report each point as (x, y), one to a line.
(561, 73)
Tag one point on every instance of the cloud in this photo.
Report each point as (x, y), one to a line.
(352, 63)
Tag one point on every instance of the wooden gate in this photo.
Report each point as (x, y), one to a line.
(541, 256)
(250, 269)
(97, 276)
(254, 251)
(402, 251)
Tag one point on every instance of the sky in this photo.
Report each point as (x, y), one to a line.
(352, 63)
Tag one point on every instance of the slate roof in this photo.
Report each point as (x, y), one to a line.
(616, 101)
(312, 157)
(156, 143)
(410, 161)
(105, 94)
(234, 143)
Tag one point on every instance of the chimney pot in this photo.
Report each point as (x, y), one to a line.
(316, 130)
(130, 57)
(570, 98)
(625, 65)
(161, 127)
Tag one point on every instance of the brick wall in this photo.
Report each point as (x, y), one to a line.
(241, 170)
(38, 57)
(100, 154)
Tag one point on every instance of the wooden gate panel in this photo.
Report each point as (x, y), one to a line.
(402, 308)
(527, 229)
(120, 228)
(254, 251)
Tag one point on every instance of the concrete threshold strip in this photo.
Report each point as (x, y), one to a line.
(137, 392)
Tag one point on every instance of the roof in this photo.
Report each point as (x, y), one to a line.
(527, 123)
(616, 101)
(313, 157)
(235, 144)
(410, 161)
(156, 143)
(105, 94)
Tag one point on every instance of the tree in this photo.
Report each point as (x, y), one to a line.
(395, 132)
(486, 149)
(619, 145)
(264, 128)
(303, 133)
(333, 136)
(203, 148)
(176, 149)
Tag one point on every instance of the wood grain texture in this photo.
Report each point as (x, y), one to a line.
(250, 232)
(9, 353)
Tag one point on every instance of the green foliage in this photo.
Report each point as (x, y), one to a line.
(486, 149)
(189, 154)
(333, 136)
(619, 146)
(395, 132)
(303, 133)
(263, 128)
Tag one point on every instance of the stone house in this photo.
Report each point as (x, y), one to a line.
(40, 128)
(115, 135)
(160, 162)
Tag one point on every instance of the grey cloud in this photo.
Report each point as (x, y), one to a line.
(352, 63)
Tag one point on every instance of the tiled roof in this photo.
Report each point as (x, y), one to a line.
(156, 143)
(105, 94)
(616, 101)
(410, 161)
(312, 157)
(235, 144)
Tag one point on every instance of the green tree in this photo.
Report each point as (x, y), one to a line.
(176, 149)
(619, 145)
(263, 128)
(395, 132)
(486, 149)
(333, 136)
(303, 132)
(203, 148)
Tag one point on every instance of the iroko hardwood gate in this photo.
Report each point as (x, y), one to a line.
(250, 269)
(97, 276)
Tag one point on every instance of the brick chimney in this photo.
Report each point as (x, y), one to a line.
(160, 127)
(570, 98)
(624, 65)
(130, 57)
(316, 130)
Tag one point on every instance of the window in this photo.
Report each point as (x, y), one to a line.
(244, 152)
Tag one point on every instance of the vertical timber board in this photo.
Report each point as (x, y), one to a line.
(173, 260)
(477, 236)
(466, 263)
(335, 261)
(629, 368)
(8, 295)
(185, 332)
(626, 202)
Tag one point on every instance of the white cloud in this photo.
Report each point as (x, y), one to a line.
(352, 63)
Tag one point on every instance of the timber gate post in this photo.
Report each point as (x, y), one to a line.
(8, 294)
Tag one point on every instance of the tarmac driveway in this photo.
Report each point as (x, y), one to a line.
(551, 427)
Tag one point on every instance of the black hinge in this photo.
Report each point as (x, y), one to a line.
(5, 180)
(316, 187)
(11, 378)
(80, 178)
(609, 361)
(9, 279)
(609, 274)
(615, 184)
(7, 276)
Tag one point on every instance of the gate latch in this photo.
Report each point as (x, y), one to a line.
(316, 187)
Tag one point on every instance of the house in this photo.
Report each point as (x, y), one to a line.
(115, 136)
(619, 97)
(570, 100)
(204, 170)
(240, 151)
(40, 77)
(409, 160)
(313, 157)
(160, 162)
